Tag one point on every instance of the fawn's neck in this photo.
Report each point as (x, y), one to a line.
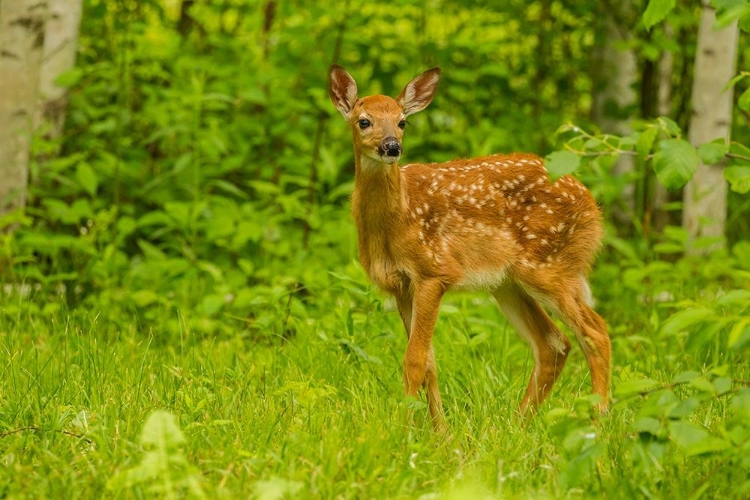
(378, 205)
(378, 200)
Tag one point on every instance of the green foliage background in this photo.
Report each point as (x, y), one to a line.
(188, 247)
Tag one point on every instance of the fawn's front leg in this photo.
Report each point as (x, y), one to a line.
(420, 368)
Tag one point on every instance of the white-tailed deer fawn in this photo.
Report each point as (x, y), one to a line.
(495, 223)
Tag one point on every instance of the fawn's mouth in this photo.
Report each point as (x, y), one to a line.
(382, 157)
(389, 159)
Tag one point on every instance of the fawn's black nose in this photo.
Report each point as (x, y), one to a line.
(390, 147)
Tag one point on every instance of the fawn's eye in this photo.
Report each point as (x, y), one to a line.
(363, 123)
(402, 124)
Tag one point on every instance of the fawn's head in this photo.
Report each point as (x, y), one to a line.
(378, 121)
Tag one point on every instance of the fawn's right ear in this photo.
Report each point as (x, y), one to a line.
(342, 89)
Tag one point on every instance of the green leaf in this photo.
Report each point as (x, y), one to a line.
(734, 80)
(276, 488)
(211, 304)
(684, 408)
(722, 5)
(264, 187)
(656, 11)
(675, 162)
(180, 211)
(626, 249)
(229, 188)
(704, 332)
(725, 17)
(161, 432)
(143, 298)
(648, 424)
(414, 403)
(677, 234)
(566, 127)
(247, 266)
(739, 334)
(713, 152)
(253, 95)
(69, 78)
(632, 387)
(561, 163)
(666, 248)
(164, 470)
(86, 177)
(686, 434)
(736, 148)
(659, 403)
(709, 445)
(739, 178)
(578, 470)
(151, 251)
(720, 371)
(744, 101)
(155, 218)
(669, 126)
(723, 385)
(703, 385)
(646, 142)
(681, 320)
(741, 403)
(685, 377)
(740, 297)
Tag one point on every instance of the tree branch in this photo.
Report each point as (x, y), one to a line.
(625, 152)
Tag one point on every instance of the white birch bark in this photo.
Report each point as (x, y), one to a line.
(705, 196)
(620, 68)
(60, 44)
(21, 43)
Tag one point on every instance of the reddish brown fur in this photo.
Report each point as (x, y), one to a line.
(494, 223)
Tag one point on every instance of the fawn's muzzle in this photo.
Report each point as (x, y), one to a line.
(389, 147)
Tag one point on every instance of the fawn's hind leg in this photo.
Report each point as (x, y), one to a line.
(573, 304)
(549, 345)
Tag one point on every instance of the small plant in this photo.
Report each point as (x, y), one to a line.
(164, 471)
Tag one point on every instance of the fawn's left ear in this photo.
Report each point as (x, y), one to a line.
(419, 92)
(343, 89)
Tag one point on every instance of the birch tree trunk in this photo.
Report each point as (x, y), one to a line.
(60, 44)
(614, 104)
(705, 196)
(21, 43)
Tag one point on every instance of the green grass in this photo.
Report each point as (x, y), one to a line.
(318, 412)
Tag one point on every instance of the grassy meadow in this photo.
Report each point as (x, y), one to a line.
(95, 405)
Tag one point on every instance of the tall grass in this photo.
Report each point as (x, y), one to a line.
(320, 413)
